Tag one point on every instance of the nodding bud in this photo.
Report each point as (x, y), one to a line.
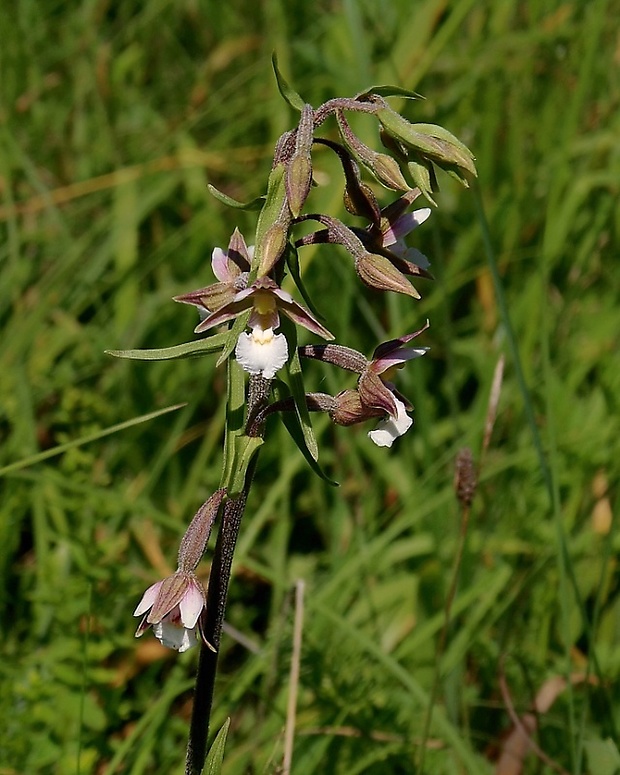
(423, 175)
(273, 223)
(377, 272)
(299, 169)
(383, 167)
(349, 410)
(196, 536)
(465, 480)
(360, 200)
(429, 141)
(272, 247)
(388, 172)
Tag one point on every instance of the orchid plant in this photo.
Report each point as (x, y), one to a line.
(258, 341)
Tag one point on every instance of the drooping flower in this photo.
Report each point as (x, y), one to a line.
(263, 351)
(172, 607)
(231, 269)
(376, 394)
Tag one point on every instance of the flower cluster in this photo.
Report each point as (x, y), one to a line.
(247, 296)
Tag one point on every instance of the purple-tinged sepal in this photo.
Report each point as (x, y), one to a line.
(173, 608)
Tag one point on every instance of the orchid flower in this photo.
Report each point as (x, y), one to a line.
(263, 352)
(172, 607)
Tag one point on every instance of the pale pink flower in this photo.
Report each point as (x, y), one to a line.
(172, 607)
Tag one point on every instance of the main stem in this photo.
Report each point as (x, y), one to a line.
(217, 594)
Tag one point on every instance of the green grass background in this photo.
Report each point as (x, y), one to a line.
(113, 118)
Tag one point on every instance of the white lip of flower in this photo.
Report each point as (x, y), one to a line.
(261, 352)
(176, 636)
(392, 427)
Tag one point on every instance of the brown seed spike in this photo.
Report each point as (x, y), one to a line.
(465, 480)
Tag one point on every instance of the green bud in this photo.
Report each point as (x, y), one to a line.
(377, 272)
(385, 169)
(431, 141)
(299, 169)
(271, 248)
(423, 176)
(275, 211)
(298, 182)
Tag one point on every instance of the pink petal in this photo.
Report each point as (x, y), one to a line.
(219, 264)
(148, 599)
(191, 605)
(405, 224)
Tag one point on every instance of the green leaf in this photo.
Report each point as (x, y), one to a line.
(289, 94)
(298, 390)
(188, 350)
(603, 757)
(29, 461)
(245, 449)
(235, 418)
(254, 204)
(390, 91)
(215, 758)
(293, 426)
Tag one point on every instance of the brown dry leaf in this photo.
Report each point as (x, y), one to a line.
(519, 741)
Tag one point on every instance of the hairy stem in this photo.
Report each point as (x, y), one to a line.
(217, 593)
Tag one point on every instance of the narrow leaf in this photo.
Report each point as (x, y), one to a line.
(188, 350)
(245, 449)
(293, 426)
(289, 94)
(29, 461)
(390, 91)
(235, 418)
(298, 391)
(254, 204)
(215, 758)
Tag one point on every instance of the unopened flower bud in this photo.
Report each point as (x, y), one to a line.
(383, 167)
(431, 141)
(298, 182)
(271, 248)
(377, 272)
(349, 409)
(299, 170)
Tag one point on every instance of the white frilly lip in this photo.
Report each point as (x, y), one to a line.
(261, 352)
(174, 637)
(388, 430)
